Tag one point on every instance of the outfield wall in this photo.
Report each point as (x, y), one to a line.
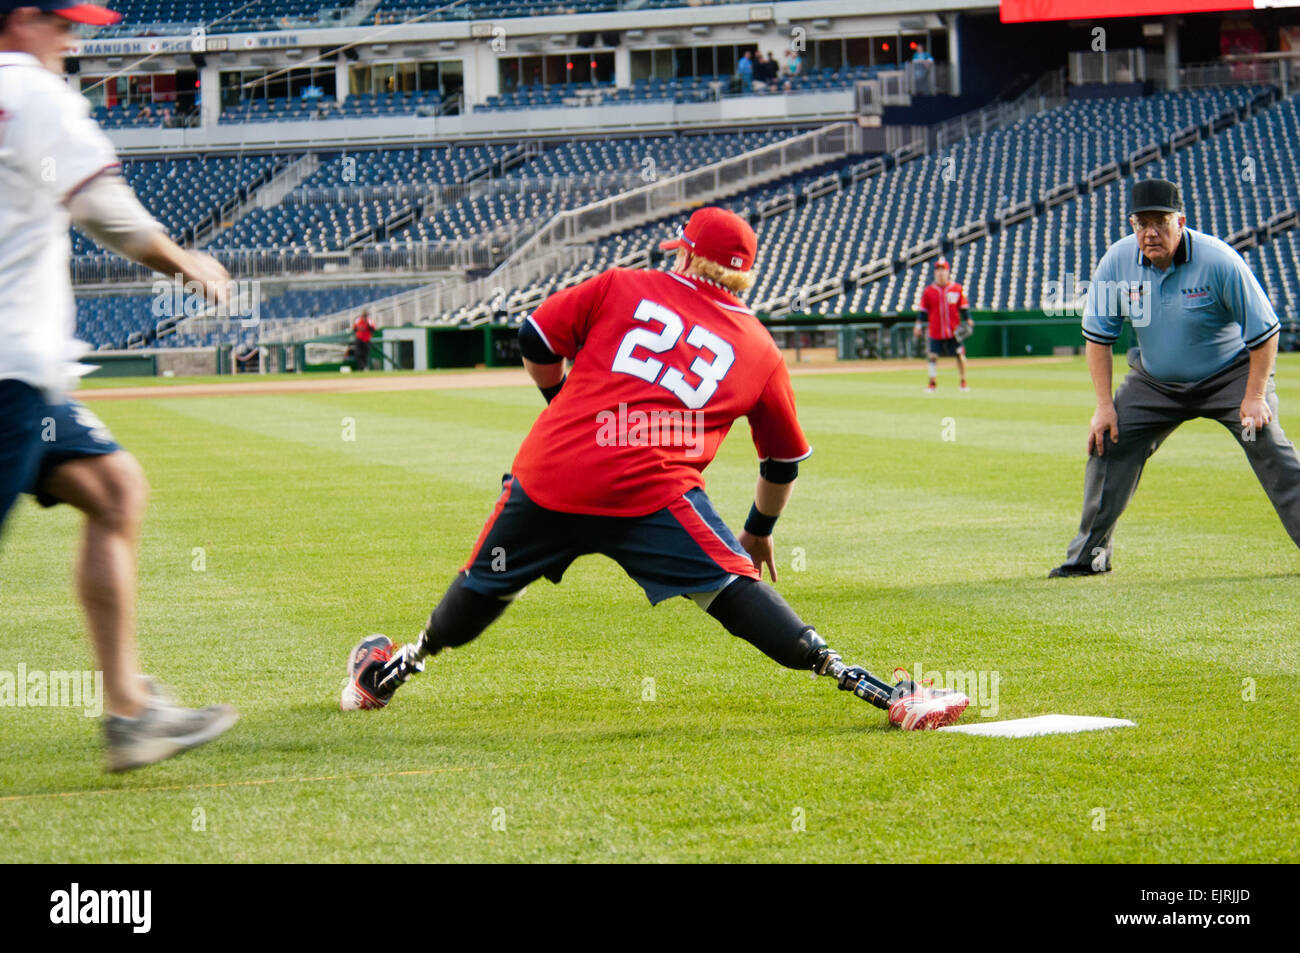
(806, 337)
(154, 362)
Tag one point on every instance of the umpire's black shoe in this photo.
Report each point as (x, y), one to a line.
(1066, 570)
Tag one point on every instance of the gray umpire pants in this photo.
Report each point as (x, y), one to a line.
(1149, 410)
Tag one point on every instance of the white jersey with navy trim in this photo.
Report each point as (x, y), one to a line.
(49, 148)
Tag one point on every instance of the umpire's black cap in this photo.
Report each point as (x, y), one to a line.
(1155, 195)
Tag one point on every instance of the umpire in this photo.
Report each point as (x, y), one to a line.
(1207, 339)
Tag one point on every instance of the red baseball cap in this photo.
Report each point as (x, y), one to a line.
(941, 263)
(68, 9)
(720, 236)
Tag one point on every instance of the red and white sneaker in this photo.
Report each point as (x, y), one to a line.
(359, 694)
(921, 707)
(929, 390)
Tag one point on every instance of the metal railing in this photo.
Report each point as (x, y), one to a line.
(1225, 75)
(483, 251)
(426, 305)
(1047, 93)
(1113, 66)
(448, 194)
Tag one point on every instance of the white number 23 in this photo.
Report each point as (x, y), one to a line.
(710, 373)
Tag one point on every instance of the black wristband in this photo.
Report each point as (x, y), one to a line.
(550, 392)
(757, 524)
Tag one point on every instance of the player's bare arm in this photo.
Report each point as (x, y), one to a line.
(1255, 412)
(1104, 419)
(109, 212)
(166, 257)
(545, 375)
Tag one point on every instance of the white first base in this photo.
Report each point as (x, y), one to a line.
(1041, 725)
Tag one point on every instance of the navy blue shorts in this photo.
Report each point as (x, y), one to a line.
(946, 347)
(683, 548)
(36, 436)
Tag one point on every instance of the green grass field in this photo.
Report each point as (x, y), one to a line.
(539, 742)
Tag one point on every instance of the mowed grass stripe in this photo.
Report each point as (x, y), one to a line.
(915, 550)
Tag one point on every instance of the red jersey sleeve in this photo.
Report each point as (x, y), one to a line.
(777, 434)
(564, 319)
(965, 303)
(924, 306)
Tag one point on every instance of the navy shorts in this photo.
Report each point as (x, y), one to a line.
(683, 548)
(37, 435)
(946, 347)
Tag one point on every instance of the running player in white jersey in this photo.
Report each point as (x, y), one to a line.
(57, 168)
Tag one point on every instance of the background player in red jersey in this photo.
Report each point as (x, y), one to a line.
(363, 331)
(944, 304)
(663, 364)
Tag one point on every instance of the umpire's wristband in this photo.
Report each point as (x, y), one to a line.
(550, 392)
(757, 524)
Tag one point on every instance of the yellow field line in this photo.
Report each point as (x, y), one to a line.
(255, 782)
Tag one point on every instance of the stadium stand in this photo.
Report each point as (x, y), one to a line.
(400, 11)
(883, 217)
(185, 192)
(324, 214)
(117, 321)
(358, 106)
(690, 90)
(154, 17)
(150, 17)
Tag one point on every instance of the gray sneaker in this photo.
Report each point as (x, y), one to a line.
(158, 691)
(162, 730)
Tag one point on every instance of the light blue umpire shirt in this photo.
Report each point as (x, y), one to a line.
(1191, 320)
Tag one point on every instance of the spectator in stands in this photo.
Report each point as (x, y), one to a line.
(793, 63)
(145, 114)
(166, 118)
(745, 73)
(922, 70)
(363, 329)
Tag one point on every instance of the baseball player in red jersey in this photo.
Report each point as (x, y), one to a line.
(662, 365)
(944, 304)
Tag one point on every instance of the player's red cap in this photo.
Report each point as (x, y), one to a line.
(720, 236)
(941, 263)
(72, 10)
